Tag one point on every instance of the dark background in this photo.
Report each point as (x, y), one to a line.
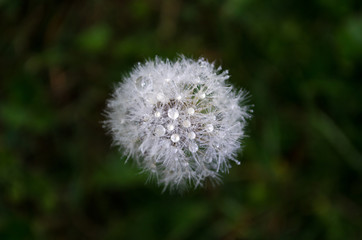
(300, 176)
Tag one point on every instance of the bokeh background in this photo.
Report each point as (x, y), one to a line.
(300, 177)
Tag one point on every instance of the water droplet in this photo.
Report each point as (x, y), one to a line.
(167, 79)
(202, 95)
(186, 123)
(191, 135)
(142, 83)
(190, 111)
(160, 130)
(173, 113)
(193, 147)
(175, 138)
(209, 128)
(178, 97)
(160, 97)
(185, 164)
(150, 98)
(146, 118)
(170, 127)
(157, 114)
(237, 163)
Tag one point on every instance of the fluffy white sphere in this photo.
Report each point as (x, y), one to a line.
(178, 120)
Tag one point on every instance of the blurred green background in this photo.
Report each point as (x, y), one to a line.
(301, 169)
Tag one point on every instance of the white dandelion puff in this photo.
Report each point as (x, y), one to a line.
(180, 121)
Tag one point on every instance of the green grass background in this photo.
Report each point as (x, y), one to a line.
(300, 176)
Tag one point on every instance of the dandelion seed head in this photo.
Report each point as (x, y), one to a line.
(178, 120)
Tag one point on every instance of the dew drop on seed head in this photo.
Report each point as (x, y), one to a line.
(186, 123)
(150, 98)
(160, 130)
(173, 113)
(190, 111)
(175, 138)
(191, 135)
(193, 147)
(160, 97)
(170, 127)
(209, 128)
(146, 118)
(202, 95)
(157, 114)
(142, 83)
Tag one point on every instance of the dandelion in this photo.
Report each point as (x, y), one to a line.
(179, 121)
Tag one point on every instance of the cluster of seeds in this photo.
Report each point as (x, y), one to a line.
(179, 120)
(176, 119)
